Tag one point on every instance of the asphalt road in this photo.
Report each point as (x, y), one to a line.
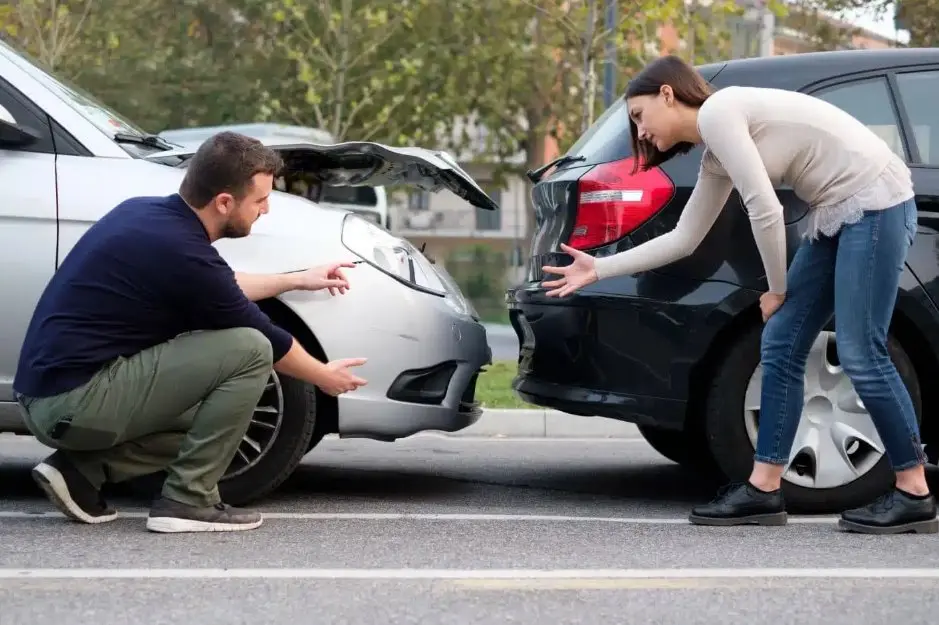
(435, 530)
(502, 341)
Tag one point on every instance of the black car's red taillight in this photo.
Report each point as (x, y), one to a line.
(612, 202)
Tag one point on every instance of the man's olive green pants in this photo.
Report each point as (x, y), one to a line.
(182, 406)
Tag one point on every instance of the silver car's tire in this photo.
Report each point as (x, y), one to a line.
(279, 435)
(281, 432)
(837, 460)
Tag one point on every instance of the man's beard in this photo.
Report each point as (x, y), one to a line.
(231, 231)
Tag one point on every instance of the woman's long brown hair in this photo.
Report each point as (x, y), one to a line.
(689, 87)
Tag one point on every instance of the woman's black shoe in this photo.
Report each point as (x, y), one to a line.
(742, 504)
(894, 512)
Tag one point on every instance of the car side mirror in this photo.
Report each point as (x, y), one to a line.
(13, 135)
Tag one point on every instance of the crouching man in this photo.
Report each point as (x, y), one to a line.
(146, 352)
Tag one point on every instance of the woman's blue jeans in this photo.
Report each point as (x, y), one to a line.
(855, 276)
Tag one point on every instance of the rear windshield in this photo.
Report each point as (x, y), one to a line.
(608, 138)
(359, 196)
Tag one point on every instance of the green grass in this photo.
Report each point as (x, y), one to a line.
(494, 388)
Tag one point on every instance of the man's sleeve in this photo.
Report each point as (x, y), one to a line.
(214, 300)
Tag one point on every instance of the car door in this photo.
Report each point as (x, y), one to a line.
(870, 99)
(28, 226)
(916, 92)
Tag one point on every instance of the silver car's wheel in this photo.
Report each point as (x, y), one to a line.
(836, 441)
(281, 432)
(262, 431)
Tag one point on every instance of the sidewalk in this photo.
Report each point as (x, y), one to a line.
(539, 423)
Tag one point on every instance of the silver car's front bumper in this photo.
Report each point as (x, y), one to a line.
(433, 388)
(423, 356)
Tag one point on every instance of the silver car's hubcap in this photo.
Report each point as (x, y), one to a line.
(262, 431)
(836, 441)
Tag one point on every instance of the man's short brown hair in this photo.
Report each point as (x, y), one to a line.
(227, 163)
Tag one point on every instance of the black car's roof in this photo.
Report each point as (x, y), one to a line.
(810, 67)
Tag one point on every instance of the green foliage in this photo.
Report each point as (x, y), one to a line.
(921, 18)
(425, 72)
(481, 274)
(494, 388)
(369, 70)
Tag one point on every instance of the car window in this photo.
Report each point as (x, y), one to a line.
(607, 139)
(918, 92)
(14, 108)
(869, 102)
(360, 196)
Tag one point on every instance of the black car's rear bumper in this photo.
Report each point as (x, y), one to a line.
(639, 409)
(619, 356)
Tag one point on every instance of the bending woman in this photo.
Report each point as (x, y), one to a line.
(862, 222)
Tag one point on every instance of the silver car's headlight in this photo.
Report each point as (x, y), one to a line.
(400, 259)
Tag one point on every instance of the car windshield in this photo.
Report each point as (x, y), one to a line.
(97, 113)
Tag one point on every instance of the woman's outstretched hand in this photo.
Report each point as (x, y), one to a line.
(577, 275)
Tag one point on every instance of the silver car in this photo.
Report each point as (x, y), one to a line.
(65, 160)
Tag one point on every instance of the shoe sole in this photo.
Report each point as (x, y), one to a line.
(170, 525)
(775, 519)
(50, 480)
(918, 527)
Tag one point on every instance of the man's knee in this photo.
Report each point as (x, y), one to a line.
(252, 341)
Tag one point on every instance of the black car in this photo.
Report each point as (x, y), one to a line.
(676, 350)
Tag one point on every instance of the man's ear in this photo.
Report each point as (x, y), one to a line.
(224, 203)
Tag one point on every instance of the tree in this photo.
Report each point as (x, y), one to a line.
(50, 29)
(161, 63)
(528, 78)
(819, 23)
(921, 19)
(363, 69)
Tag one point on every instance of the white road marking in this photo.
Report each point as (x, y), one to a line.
(508, 438)
(416, 516)
(470, 574)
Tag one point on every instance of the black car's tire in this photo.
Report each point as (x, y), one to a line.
(281, 458)
(685, 447)
(669, 443)
(730, 445)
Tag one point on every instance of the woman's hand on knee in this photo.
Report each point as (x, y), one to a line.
(770, 303)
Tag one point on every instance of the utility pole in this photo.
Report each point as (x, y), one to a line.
(767, 29)
(609, 70)
(588, 84)
(754, 31)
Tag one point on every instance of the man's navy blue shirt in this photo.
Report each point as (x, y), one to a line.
(140, 276)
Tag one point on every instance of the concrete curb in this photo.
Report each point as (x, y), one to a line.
(533, 423)
(539, 423)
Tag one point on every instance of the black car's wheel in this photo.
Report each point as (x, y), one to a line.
(685, 447)
(279, 435)
(837, 460)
